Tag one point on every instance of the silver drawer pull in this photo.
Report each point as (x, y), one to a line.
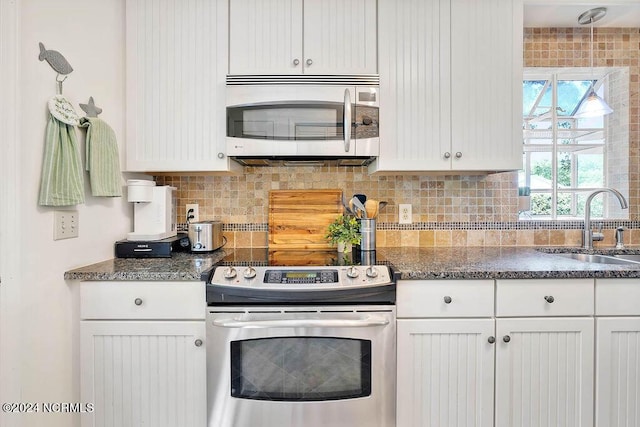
(506, 338)
(491, 339)
(198, 343)
(447, 299)
(138, 301)
(550, 299)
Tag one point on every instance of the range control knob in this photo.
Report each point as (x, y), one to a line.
(372, 272)
(352, 272)
(249, 273)
(230, 273)
(197, 246)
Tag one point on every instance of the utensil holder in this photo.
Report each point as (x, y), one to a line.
(368, 234)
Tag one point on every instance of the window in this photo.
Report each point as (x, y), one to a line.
(565, 158)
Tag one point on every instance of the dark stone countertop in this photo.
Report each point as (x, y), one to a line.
(409, 263)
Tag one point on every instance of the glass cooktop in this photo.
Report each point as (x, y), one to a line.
(293, 258)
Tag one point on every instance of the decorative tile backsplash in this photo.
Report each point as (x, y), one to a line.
(447, 210)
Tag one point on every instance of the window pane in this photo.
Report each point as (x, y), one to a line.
(540, 204)
(570, 93)
(566, 202)
(531, 90)
(541, 173)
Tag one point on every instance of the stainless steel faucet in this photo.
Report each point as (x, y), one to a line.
(589, 236)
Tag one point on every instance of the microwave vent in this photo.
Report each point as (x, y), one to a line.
(305, 79)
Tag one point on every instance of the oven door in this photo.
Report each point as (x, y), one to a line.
(309, 367)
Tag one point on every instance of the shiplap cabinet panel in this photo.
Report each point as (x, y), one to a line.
(176, 60)
(303, 37)
(450, 85)
(618, 372)
(544, 373)
(143, 373)
(445, 373)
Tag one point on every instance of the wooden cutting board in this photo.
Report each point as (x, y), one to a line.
(298, 219)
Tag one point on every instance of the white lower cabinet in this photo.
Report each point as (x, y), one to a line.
(544, 372)
(137, 368)
(445, 353)
(445, 372)
(618, 352)
(528, 361)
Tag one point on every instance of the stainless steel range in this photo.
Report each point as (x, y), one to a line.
(301, 345)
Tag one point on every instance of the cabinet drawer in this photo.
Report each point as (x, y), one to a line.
(142, 300)
(545, 297)
(618, 297)
(444, 298)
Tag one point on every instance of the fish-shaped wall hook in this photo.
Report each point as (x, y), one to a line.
(58, 62)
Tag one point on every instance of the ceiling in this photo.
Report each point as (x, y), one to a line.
(564, 13)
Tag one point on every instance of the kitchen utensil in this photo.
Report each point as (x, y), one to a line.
(361, 197)
(359, 206)
(347, 208)
(371, 206)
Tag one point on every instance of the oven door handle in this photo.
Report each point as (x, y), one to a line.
(302, 323)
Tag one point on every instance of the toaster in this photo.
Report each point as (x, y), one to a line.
(205, 236)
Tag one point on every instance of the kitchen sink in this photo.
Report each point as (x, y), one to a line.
(628, 257)
(603, 259)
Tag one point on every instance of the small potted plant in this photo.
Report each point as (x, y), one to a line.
(344, 232)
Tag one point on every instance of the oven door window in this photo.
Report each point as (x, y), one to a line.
(287, 121)
(301, 368)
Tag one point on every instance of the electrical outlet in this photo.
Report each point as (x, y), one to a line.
(195, 213)
(404, 213)
(65, 225)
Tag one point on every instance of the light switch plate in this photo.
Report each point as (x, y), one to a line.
(65, 225)
(404, 214)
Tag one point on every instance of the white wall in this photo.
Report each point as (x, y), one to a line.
(90, 34)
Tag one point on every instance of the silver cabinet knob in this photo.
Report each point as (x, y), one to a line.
(458, 155)
(372, 272)
(491, 340)
(198, 343)
(447, 299)
(221, 155)
(137, 301)
(447, 155)
(352, 272)
(230, 273)
(296, 61)
(309, 62)
(549, 299)
(506, 338)
(249, 273)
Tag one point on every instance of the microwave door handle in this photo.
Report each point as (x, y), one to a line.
(301, 323)
(347, 120)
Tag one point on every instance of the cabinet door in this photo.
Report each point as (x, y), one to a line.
(415, 104)
(340, 37)
(450, 85)
(265, 37)
(544, 372)
(445, 373)
(486, 84)
(176, 68)
(143, 373)
(618, 372)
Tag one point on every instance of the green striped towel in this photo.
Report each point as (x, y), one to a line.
(103, 161)
(62, 181)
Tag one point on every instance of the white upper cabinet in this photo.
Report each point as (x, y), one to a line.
(450, 85)
(176, 69)
(303, 36)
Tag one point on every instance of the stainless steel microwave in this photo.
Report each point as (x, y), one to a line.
(302, 121)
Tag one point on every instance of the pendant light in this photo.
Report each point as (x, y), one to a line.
(592, 105)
